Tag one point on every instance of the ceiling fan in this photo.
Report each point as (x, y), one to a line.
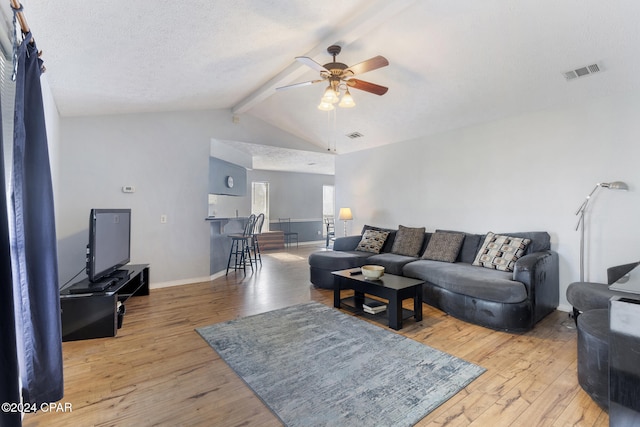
(340, 76)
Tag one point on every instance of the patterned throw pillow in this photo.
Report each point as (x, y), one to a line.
(372, 241)
(500, 252)
(444, 246)
(408, 241)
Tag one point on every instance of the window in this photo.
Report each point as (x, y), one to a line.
(7, 95)
(328, 206)
(260, 201)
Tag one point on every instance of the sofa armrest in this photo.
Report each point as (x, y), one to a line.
(540, 274)
(348, 243)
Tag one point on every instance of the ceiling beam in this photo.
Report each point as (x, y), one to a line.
(377, 14)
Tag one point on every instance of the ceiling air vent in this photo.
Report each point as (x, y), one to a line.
(354, 135)
(581, 72)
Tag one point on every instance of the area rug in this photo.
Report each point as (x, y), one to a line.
(313, 365)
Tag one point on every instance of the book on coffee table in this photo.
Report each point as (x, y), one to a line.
(374, 307)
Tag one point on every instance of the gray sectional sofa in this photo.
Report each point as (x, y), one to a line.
(503, 300)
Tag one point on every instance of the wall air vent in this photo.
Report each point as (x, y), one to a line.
(354, 135)
(581, 72)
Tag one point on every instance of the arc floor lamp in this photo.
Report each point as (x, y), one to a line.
(615, 185)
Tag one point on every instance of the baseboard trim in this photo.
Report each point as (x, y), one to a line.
(565, 307)
(186, 281)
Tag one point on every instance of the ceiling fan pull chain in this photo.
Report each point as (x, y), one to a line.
(329, 133)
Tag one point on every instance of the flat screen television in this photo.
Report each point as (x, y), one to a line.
(109, 245)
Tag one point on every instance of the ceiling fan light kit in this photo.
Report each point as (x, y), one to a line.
(347, 100)
(340, 76)
(330, 96)
(325, 106)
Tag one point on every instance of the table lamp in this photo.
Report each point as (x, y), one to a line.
(345, 215)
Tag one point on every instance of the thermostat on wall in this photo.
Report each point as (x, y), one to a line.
(128, 189)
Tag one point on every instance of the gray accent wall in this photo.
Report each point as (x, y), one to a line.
(219, 170)
(297, 196)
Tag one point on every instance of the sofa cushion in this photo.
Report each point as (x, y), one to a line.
(392, 263)
(540, 240)
(444, 246)
(372, 241)
(470, 246)
(388, 244)
(408, 241)
(465, 279)
(341, 260)
(500, 252)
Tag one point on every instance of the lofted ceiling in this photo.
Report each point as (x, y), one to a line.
(452, 63)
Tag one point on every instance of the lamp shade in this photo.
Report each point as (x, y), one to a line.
(325, 106)
(615, 185)
(330, 96)
(345, 214)
(347, 100)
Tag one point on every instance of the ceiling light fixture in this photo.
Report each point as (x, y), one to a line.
(340, 76)
(325, 106)
(347, 100)
(331, 96)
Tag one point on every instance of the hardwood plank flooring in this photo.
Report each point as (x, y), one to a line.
(158, 371)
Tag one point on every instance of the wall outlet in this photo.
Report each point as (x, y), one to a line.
(128, 189)
(163, 219)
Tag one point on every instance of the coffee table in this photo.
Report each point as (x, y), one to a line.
(393, 288)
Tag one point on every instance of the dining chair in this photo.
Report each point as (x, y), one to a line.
(285, 226)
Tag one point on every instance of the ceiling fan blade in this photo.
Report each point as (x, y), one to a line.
(368, 65)
(299, 84)
(367, 87)
(312, 64)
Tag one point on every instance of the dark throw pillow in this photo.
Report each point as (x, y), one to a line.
(500, 252)
(444, 246)
(372, 241)
(408, 241)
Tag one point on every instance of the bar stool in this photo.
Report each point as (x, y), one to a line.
(331, 229)
(241, 248)
(255, 245)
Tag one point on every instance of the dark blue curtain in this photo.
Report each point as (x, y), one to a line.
(9, 391)
(33, 240)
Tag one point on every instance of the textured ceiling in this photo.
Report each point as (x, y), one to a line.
(452, 63)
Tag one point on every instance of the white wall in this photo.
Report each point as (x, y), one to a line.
(524, 173)
(165, 156)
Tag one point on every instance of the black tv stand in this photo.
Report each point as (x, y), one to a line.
(91, 287)
(90, 311)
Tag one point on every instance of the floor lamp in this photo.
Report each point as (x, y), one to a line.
(345, 215)
(615, 185)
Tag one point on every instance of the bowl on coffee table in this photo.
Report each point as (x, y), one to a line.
(372, 272)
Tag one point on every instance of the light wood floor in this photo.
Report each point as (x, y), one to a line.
(158, 371)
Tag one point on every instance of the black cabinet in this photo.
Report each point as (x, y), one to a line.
(95, 314)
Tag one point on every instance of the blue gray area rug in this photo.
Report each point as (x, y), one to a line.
(313, 365)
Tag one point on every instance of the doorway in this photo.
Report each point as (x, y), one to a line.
(328, 207)
(260, 201)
